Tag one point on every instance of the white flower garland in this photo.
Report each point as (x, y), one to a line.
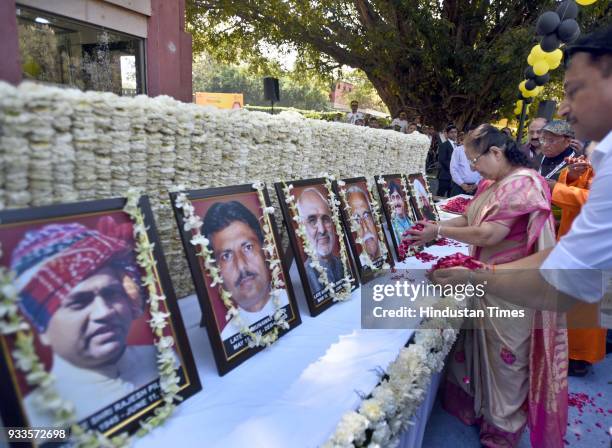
(345, 293)
(28, 361)
(387, 411)
(193, 222)
(355, 227)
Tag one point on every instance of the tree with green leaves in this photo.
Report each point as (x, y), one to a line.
(446, 60)
(212, 76)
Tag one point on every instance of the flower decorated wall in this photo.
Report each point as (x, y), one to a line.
(61, 145)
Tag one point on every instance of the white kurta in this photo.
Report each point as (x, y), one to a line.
(249, 318)
(90, 391)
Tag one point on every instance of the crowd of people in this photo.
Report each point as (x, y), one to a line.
(401, 123)
(540, 223)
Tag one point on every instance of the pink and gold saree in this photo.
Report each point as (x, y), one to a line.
(509, 373)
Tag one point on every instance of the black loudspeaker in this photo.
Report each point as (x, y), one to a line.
(271, 90)
(546, 109)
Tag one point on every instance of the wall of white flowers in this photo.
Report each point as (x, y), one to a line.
(63, 145)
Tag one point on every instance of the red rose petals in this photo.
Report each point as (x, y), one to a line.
(447, 242)
(455, 260)
(582, 402)
(424, 257)
(457, 205)
(406, 248)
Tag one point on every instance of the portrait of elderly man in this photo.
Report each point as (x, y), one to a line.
(361, 213)
(80, 290)
(314, 210)
(236, 240)
(399, 219)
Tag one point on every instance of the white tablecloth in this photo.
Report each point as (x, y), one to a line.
(295, 392)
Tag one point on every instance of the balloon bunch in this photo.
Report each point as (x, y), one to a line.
(554, 28)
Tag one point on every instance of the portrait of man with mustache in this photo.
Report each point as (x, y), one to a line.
(236, 240)
(314, 210)
(361, 213)
(79, 288)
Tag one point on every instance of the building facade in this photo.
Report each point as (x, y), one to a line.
(128, 47)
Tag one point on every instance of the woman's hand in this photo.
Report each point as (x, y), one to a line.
(450, 276)
(422, 237)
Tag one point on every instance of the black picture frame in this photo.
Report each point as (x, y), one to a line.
(429, 213)
(388, 208)
(365, 273)
(13, 407)
(233, 351)
(317, 303)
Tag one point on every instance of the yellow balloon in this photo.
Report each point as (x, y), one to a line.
(519, 103)
(522, 87)
(517, 111)
(554, 59)
(531, 59)
(585, 2)
(537, 52)
(541, 68)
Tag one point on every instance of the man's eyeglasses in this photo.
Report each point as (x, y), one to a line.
(365, 217)
(547, 140)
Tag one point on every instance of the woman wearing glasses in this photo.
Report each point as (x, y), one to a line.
(500, 373)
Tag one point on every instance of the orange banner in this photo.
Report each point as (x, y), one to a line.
(220, 100)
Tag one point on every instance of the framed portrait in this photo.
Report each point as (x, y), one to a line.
(79, 292)
(242, 285)
(364, 228)
(318, 241)
(394, 192)
(421, 198)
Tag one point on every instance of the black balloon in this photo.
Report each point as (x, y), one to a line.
(529, 74)
(547, 23)
(541, 80)
(550, 42)
(567, 10)
(568, 31)
(530, 84)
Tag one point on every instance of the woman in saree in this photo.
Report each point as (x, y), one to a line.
(506, 373)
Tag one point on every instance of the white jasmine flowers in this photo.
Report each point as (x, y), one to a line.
(388, 410)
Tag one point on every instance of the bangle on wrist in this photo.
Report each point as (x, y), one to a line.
(439, 229)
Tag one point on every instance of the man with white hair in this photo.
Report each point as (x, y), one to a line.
(361, 213)
(314, 210)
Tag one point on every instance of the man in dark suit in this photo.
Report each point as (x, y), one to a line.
(445, 151)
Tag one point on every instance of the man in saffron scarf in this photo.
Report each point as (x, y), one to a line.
(586, 341)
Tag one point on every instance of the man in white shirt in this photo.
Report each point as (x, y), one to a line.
(79, 288)
(465, 180)
(354, 114)
(401, 120)
(578, 267)
(237, 242)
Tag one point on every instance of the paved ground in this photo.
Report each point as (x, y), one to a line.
(589, 422)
